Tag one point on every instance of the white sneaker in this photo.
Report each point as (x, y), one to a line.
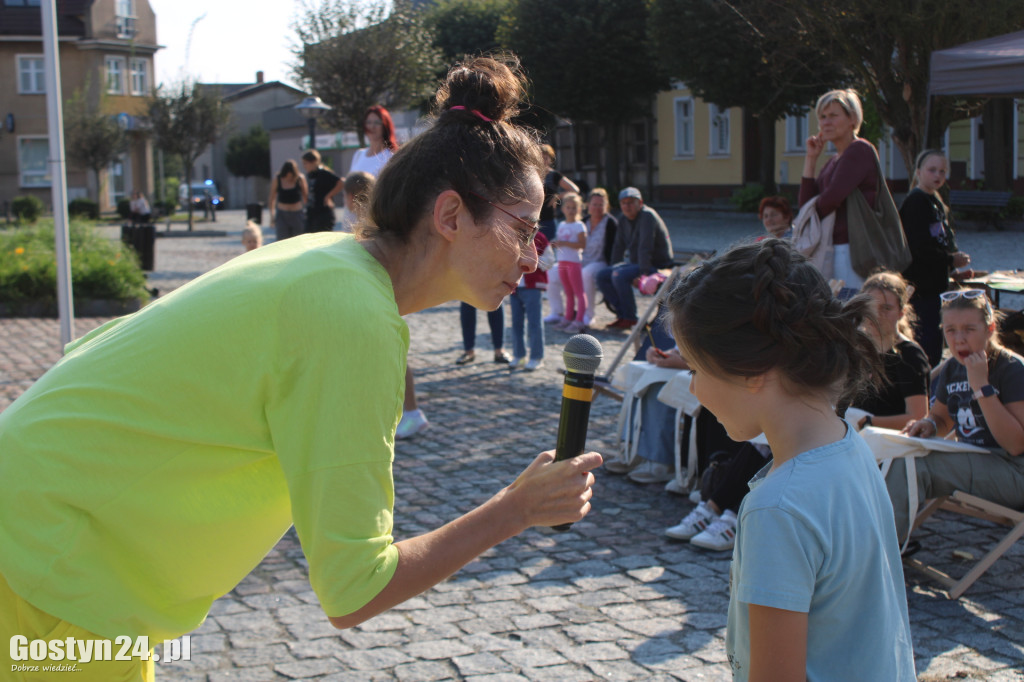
(533, 365)
(517, 363)
(651, 472)
(619, 466)
(411, 424)
(553, 317)
(675, 487)
(574, 327)
(720, 535)
(693, 523)
(695, 495)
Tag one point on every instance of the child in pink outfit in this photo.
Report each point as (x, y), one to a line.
(570, 239)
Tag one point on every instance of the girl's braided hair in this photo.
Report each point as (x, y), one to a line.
(763, 306)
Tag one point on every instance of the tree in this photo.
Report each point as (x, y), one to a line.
(738, 72)
(589, 60)
(93, 139)
(466, 27)
(354, 55)
(186, 118)
(249, 154)
(887, 45)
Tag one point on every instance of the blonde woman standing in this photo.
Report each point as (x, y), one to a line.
(853, 167)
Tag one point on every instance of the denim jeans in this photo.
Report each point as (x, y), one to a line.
(616, 283)
(525, 304)
(496, 320)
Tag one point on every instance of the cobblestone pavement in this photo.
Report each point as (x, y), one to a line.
(611, 599)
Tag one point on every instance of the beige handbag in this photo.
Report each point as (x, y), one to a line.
(877, 241)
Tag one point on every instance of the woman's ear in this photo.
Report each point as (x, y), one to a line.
(447, 207)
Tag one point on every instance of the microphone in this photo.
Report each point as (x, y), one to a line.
(582, 356)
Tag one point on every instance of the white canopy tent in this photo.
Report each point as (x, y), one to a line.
(990, 67)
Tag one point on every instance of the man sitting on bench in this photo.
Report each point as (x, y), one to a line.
(642, 246)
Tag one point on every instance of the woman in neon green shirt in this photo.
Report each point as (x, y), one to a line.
(157, 463)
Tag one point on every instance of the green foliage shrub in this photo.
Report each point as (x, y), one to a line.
(101, 268)
(84, 208)
(27, 208)
(748, 197)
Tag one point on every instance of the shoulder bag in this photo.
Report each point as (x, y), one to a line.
(877, 241)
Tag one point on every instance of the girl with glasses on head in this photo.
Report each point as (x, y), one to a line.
(926, 222)
(816, 586)
(979, 396)
(156, 468)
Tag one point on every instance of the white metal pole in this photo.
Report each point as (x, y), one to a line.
(57, 166)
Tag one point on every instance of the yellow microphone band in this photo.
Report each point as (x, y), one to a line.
(576, 393)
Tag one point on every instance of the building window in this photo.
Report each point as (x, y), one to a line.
(115, 75)
(719, 130)
(797, 133)
(31, 75)
(115, 182)
(638, 143)
(33, 161)
(140, 77)
(684, 126)
(125, 13)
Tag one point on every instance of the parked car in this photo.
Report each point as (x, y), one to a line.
(200, 192)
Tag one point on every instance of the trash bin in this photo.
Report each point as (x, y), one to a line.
(142, 238)
(254, 212)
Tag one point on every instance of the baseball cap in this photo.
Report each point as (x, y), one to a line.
(630, 193)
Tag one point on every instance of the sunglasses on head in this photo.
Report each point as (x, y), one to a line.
(962, 293)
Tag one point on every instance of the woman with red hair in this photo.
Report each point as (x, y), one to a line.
(379, 130)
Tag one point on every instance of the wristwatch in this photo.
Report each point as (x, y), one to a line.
(986, 391)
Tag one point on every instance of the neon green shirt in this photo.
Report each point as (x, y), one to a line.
(156, 464)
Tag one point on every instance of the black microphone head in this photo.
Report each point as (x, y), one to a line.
(582, 354)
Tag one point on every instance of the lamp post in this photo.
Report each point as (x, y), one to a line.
(312, 108)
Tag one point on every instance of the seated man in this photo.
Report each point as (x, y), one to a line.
(642, 246)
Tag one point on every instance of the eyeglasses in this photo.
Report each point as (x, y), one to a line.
(526, 238)
(961, 293)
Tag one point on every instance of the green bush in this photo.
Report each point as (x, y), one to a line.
(27, 208)
(84, 208)
(1015, 208)
(748, 197)
(124, 208)
(100, 268)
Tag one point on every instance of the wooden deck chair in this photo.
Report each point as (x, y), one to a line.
(635, 338)
(962, 503)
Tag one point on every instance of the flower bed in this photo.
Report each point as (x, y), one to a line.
(101, 271)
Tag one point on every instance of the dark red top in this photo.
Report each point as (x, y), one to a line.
(855, 167)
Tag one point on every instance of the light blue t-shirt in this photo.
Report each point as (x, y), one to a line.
(817, 536)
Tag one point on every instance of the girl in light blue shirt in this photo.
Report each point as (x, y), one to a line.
(816, 584)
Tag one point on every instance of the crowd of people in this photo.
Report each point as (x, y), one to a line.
(789, 357)
(768, 427)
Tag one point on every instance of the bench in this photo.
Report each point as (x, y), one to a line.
(989, 203)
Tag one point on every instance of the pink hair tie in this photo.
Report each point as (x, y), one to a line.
(475, 112)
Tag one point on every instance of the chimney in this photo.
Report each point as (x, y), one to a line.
(259, 77)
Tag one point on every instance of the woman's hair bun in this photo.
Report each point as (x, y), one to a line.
(492, 85)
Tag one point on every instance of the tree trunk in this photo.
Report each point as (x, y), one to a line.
(188, 191)
(997, 119)
(612, 153)
(766, 171)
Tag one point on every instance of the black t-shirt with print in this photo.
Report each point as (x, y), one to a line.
(1005, 373)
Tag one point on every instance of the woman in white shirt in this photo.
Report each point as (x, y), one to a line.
(379, 130)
